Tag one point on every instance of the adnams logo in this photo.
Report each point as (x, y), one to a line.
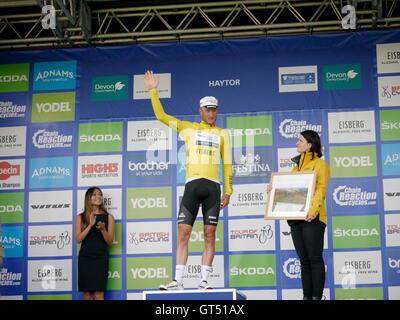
(51, 172)
(56, 75)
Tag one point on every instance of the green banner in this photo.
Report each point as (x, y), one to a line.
(356, 232)
(342, 77)
(252, 270)
(390, 125)
(149, 203)
(50, 107)
(148, 272)
(353, 161)
(252, 131)
(100, 137)
(14, 77)
(12, 207)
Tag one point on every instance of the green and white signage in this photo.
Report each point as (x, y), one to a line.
(100, 137)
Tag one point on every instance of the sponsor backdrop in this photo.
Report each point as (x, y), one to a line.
(70, 119)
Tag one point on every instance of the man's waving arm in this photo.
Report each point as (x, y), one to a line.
(151, 82)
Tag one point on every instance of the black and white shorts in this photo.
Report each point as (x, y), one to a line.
(200, 191)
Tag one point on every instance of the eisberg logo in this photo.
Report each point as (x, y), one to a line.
(347, 196)
(290, 128)
(43, 139)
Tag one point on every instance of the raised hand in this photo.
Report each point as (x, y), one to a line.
(151, 81)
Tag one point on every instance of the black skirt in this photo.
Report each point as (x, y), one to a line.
(92, 273)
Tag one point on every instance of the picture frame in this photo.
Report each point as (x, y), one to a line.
(291, 195)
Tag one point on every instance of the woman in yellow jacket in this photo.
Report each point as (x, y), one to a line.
(308, 234)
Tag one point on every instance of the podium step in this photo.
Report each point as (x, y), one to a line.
(212, 294)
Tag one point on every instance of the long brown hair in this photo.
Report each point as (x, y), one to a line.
(85, 215)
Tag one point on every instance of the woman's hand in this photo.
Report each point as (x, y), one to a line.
(101, 226)
(309, 218)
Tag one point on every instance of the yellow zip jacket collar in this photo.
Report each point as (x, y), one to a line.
(309, 161)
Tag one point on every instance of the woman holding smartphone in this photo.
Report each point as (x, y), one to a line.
(95, 229)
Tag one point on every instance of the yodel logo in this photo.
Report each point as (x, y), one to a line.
(290, 128)
(53, 107)
(347, 196)
(7, 170)
(149, 273)
(346, 162)
(148, 203)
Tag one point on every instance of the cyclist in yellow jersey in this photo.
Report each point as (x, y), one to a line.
(206, 144)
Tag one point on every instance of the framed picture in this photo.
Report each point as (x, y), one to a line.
(291, 195)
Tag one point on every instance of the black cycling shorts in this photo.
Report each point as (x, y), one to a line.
(200, 191)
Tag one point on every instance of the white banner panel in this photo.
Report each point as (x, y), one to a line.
(49, 275)
(50, 206)
(357, 267)
(149, 237)
(100, 170)
(251, 235)
(12, 141)
(50, 241)
(388, 57)
(149, 136)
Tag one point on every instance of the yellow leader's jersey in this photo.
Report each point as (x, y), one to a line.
(205, 146)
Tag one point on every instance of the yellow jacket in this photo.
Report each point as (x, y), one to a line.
(323, 174)
(205, 146)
